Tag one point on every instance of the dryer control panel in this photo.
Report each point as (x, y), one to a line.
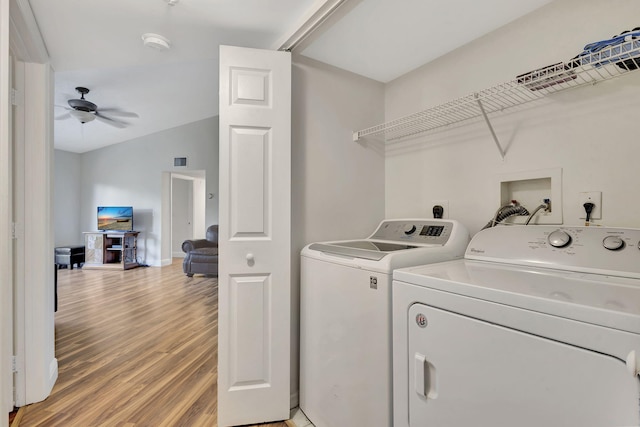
(417, 231)
(601, 250)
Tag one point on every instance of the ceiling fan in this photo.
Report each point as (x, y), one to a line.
(86, 111)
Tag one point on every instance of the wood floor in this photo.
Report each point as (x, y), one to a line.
(134, 348)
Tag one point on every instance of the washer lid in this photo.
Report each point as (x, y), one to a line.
(601, 300)
(367, 249)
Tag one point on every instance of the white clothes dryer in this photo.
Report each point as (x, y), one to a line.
(345, 317)
(537, 326)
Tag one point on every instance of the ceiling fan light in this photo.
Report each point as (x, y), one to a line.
(156, 41)
(83, 116)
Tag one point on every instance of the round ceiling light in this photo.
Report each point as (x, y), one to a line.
(156, 41)
(83, 116)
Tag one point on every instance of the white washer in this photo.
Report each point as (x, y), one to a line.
(345, 317)
(537, 326)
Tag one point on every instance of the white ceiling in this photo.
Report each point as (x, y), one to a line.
(384, 39)
(97, 44)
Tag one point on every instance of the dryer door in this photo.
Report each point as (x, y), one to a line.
(466, 372)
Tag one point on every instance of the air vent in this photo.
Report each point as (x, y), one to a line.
(179, 161)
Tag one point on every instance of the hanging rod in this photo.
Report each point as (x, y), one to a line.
(606, 64)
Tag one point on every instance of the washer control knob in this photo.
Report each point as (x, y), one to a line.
(559, 239)
(409, 229)
(613, 243)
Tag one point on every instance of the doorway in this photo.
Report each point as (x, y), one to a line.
(188, 207)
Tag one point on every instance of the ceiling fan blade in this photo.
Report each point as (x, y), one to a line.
(63, 116)
(110, 121)
(119, 113)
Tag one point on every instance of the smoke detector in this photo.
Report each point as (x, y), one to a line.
(156, 41)
(171, 2)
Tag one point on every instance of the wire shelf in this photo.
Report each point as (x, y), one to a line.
(608, 63)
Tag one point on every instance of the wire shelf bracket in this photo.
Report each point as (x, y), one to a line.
(586, 69)
(493, 133)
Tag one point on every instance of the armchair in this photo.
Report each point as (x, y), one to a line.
(202, 254)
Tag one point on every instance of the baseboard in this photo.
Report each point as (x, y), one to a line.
(43, 386)
(53, 372)
(53, 375)
(294, 400)
(179, 254)
(165, 262)
(297, 418)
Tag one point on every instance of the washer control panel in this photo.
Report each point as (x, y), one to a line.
(425, 231)
(601, 250)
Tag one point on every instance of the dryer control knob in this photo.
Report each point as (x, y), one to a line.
(409, 229)
(559, 239)
(613, 243)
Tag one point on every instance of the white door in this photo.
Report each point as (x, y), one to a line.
(255, 243)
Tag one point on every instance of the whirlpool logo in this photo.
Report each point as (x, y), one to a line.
(476, 251)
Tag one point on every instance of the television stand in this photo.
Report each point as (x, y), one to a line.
(111, 250)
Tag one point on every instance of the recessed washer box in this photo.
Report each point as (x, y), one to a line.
(530, 189)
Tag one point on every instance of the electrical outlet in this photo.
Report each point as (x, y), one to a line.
(594, 197)
(445, 206)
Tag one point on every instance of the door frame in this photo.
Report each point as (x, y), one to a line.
(6, 239)
(34, 327)
(21, 41)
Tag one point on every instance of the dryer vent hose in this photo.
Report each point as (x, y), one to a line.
(504, 213)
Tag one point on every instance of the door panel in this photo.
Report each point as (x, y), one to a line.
(255, 238)
(463, 372)
(250, 177)
(249, 331)
(250, 86)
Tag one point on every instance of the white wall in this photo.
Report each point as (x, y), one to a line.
(591, 132)
(337, 185)
(66, 212)
(130, 174)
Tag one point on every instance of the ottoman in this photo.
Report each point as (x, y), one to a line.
(69, 255)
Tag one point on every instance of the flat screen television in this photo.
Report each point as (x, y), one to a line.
(115, 218)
